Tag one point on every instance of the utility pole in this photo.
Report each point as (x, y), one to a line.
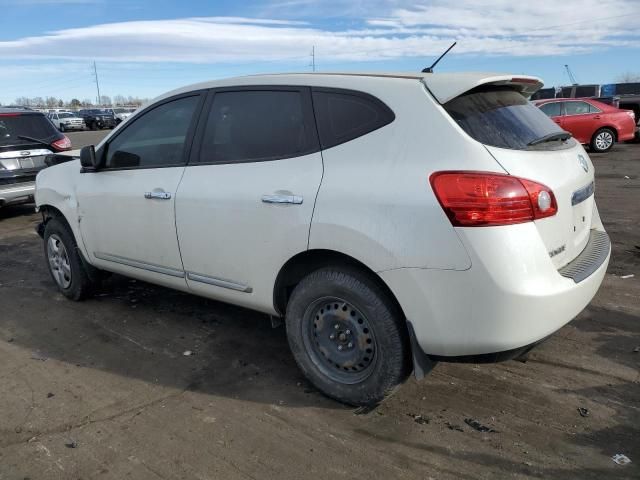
(313, 58)
(95, 73)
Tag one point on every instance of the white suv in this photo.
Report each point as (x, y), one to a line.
(392, 220)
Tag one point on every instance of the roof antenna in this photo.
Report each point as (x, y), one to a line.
(430, 69)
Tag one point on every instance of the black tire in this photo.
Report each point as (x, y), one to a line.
(92, 125)
(61, 127)
(344, 295)
(79, 284)
(603, 140)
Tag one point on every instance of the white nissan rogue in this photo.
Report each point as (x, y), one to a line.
(393, 220)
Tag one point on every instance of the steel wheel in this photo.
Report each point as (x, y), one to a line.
(604, 140)
(59, 261)
(339, 340)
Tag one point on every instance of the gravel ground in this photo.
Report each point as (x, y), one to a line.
(101, 389)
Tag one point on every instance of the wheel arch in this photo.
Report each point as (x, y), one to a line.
(609, 127)
(303, 263)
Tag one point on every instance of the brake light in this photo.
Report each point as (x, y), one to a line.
(482, 199)
(63, 144)
(9, 114)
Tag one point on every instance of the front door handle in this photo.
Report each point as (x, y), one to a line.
(158, 195)
(293, 199)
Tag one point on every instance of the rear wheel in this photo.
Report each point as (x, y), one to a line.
(603, 140)
(61, 127)
(347, 336)
(64, 261)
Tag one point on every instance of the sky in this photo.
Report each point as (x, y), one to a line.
(147, 47)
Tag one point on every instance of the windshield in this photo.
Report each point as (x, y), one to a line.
(120, 110)
(501, 117)
(34, 126)
(66, 115)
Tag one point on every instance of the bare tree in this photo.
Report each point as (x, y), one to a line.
(105, 100)
(628, 77)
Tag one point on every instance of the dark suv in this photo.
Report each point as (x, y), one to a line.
(26, 137)
(95, 118)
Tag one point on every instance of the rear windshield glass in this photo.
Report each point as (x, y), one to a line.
(501, 117)
(29, 125)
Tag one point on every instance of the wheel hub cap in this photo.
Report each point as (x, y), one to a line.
(340, 340)
(59, 261)
(604, 140)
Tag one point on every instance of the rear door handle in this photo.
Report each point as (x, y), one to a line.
(293, 199)
(158, 195)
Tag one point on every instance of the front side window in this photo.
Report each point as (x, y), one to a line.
(552, 109)
(156, 139)
(576, 108)
(257, 125)
(501, 117)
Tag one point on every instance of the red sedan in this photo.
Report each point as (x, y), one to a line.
(591, 122)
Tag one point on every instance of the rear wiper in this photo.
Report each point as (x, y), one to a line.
(34, 140)
(550, 138)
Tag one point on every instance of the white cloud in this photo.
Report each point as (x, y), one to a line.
(481, 27)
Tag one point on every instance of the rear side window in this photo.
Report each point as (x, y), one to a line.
(553, 109)
(30, 125)
(576, 108)
(343, 115)
(258, 125)
(500, 117)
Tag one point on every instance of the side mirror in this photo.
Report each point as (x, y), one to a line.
(88, 158)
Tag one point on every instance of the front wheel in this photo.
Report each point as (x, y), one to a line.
(347, 336)
(64, 262)
(603, 140)
(61, 127)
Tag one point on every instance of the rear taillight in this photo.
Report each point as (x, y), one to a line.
(61, 145)
(482, 199)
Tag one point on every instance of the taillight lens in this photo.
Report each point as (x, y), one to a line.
(63, 144)
(479, 199)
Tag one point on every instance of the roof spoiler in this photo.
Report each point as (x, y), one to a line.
(448, 87)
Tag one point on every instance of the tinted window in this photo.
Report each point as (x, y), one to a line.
(544, 93)
(155, 139)
(566, 92)
(500, 116)
(551, 109)
(255, 125)
(344, 115)
(586, 91)
(30, 125)
(576, 108)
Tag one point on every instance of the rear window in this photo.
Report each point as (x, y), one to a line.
(343, 115)
(500, 117)
(29, 125)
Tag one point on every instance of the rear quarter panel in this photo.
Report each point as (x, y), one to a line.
(375, 202)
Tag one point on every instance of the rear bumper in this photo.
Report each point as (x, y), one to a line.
(510, 298)
(17, 193)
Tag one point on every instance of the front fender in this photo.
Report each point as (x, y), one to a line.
(56, 187)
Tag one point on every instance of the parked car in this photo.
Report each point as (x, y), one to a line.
(64, 121)
(96, 118)
(120, 114)
(591, 122)
(26, 137)
(392, 220)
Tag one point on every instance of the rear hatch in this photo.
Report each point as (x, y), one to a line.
(527, 144)
(21, 159)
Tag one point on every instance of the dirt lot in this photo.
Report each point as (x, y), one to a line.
(101, 389)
